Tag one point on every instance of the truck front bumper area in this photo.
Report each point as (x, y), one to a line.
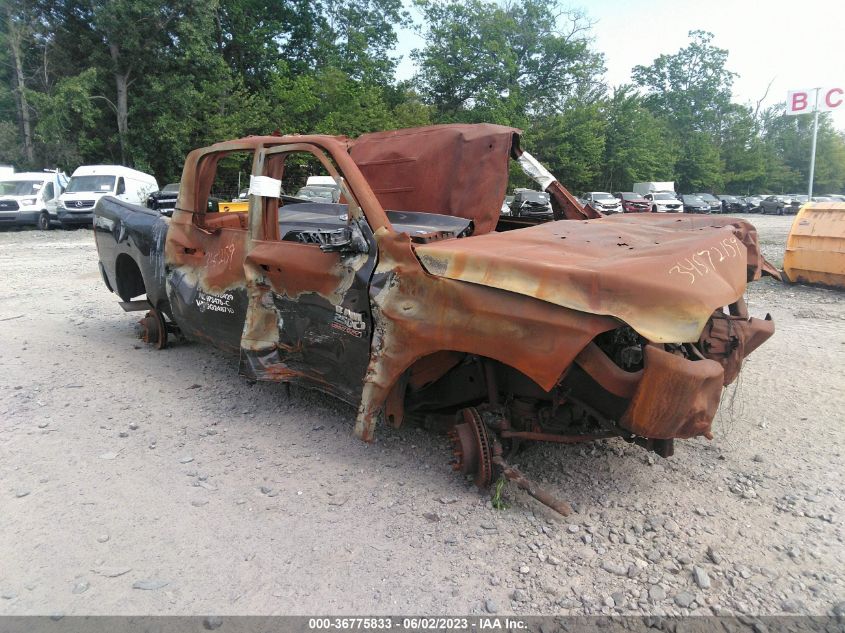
(678, 397)
(76, 218)
(18, 218)
(673, 396)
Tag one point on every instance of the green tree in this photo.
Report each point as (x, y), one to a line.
(65, 114)
(790, 139)
(637, 146)
(18, 21)
(699, 167)
(691, 91)
(571, 144)
(129, 39)
(691, 88)
(505, 63)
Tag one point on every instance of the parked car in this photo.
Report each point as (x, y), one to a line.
(31, 198)
(530, 203)
(633, 202)
(822, 199)
(732, 204)
(319, 193)
(836, 197)
(664, 202)
(752, 203)
(779, 205)
(713, 201)
(89, 183)
(603, 202)
(164, 201)
(695, 204)
(506, 206)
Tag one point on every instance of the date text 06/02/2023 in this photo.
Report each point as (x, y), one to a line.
(417, 624)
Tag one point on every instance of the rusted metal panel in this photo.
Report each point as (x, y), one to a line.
(417, 314)
(459, 169)
(664, 283)
(744, 231)
(676, 398)
(729, 338)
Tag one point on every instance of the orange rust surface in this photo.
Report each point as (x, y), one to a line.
(676, 398)
(459, 169)
(293, 268)
(729, 339)
(216, 258)
(433, 367)
(744, 231)
(604, 371)
(663, 282)
(418, 314)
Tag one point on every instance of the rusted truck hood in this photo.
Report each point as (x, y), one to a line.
(662, 276)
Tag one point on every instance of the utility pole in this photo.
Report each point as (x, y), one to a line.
(813, 149)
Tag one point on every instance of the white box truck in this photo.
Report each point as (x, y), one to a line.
(643, 188)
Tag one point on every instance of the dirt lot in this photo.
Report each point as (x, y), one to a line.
(136, 481)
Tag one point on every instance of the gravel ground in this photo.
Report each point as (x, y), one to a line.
(139, 482)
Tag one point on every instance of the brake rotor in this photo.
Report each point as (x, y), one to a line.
(472, 447)
(153, 330)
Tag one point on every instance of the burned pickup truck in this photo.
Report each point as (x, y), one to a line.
(412, 299)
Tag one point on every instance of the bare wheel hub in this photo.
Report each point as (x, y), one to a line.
(472, 447)
(153, 330)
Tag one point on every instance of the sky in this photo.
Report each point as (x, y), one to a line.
(796, 44)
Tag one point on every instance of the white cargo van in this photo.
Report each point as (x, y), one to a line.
(31, 197)
(89, 183)
(320, 181)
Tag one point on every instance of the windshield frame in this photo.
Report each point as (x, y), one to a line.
(35, 188)
(631, 196)
(95, 177)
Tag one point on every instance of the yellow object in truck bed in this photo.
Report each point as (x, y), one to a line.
(815, 248)
(233, 207)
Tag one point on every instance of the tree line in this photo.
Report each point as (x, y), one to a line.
(142, 82)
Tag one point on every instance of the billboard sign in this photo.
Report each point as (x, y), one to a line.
(808, 100)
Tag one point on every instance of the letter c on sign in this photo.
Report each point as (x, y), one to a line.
(830, 100)
(799, 101)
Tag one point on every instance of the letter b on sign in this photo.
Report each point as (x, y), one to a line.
(798, 102)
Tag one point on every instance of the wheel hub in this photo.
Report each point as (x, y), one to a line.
(152, 329)
(472, 447)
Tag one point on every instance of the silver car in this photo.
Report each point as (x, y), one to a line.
(603, 202)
